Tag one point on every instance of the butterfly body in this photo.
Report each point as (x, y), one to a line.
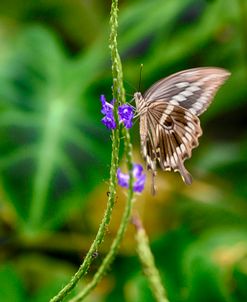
(169, 123)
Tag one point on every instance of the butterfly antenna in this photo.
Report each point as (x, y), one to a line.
(140, 78)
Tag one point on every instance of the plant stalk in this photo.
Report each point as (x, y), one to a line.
(147, 260)
(119, 95)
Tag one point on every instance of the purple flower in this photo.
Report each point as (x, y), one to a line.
(109, 122)
(107, 109)
(140, 178)
(126, 115)
(123, 179)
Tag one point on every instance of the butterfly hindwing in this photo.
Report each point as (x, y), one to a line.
(177, 131)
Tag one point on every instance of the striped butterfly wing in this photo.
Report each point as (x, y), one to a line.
(169, 126)
(192, 89)
(176, 131)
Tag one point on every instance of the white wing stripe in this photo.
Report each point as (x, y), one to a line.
(187, 93)
(179, 98)
(193, 88)
(182, 84)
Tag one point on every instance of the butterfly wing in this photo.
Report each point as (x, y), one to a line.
(169, 125)
(192, 89)
(148, 144)
(171, 134)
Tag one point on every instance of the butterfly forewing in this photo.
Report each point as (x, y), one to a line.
(169, 126)
(192, 89)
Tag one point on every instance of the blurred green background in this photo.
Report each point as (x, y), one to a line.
(55, 153)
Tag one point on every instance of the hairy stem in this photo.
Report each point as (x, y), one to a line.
(103, 226)
(111, 254)
(119, 95)
(147, 261)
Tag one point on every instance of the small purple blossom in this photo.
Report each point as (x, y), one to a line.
(137, 170)
(107, 109)
(123, 179)
(109, 122)
(126, 115)
(139, 184)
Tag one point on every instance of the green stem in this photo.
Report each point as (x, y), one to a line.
(103, 226)
(147, 261)
(111, 254)
(121, 231)
(117, 72)
(119, 95)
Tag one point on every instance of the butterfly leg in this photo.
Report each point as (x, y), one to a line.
(153, 186)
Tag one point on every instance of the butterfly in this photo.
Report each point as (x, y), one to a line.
(169, 123)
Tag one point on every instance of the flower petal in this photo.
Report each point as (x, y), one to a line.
(139, 184)
(107, 108)
(109, 122)
(139, 178)
(137, 170)
(126, 115)
(123, 179)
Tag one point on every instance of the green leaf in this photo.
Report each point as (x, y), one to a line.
(11, 285)
(51, 144)
(209, 264)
